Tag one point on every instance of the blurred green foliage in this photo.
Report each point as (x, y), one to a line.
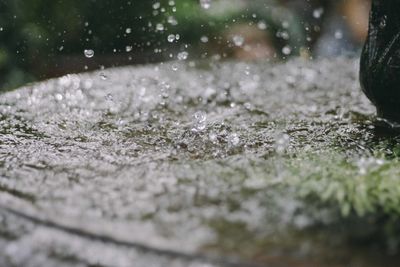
(34, 34)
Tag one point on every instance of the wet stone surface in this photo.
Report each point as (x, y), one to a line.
(198, 164)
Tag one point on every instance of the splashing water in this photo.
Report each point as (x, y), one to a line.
(186, 168)
(183, 55)
(200, 118)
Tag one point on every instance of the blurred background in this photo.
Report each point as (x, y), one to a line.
(40, 39)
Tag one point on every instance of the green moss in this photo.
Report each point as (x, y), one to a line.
(363, 186)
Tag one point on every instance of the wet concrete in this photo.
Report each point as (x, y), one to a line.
(196, 164)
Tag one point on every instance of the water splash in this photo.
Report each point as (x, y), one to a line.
(183, 55)
(222, 152)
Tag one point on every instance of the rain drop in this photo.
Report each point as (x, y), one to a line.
(206, 4)
(233, 139)
(128, 48)
(183, 55)
(339, 34)
(200, 118)
(282, 143)
(262, 25)
(103, 76)
(171, 38)
(383, 22)
(156, 5)
(59, 97)
(160, 27)
(286, 50)
(238, 40)
(317, 13)
(89, 53)
(172, 21)
(204, 39)
(109, 97)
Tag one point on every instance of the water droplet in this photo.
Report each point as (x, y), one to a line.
(285, 24)
(156, 5)
(128, 30)
(383, 22)
(200, 118)
(339, 34)
(213, 137)
(172, 20)
(160, 27)
(283, 34)
(59, 97)
(206, 4)
(89, 53)
(109, 97)
(128, 48)
(286, 50)
(248, 106)
(103, 76)
(87, 84)
(183, 55)
(247, 70)
(282, 143)
(204, 39)
(318, 12)
(262, 25)
(238, 40)
(233, 139)
(171, 38)
(174, 67)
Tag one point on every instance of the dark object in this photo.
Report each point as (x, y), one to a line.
(380, 59)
